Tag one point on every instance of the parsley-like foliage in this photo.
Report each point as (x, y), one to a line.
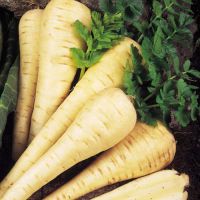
(131, 12)
(106, 31)
(157, 94)
(160, 80)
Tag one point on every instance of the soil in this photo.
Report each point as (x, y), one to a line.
(187, 157)
(20, 7)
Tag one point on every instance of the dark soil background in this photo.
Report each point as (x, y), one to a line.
(187, 157)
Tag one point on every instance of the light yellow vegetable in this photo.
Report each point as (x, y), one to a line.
(29, 30)
(56, 67)
(96, 128)
(163, 185)
(107, 73)
(145, 150)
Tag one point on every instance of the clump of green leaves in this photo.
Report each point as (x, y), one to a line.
(106, 31)
(141, 16)
(160, 80)
(131, 12)
(158, 92)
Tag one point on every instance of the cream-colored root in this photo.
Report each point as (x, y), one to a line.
(56, 67)
(95, 126)
(29, 30)
(163, 185)
(108, 72)
(145, 150)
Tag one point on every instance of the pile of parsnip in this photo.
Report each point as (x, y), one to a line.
(56, 128)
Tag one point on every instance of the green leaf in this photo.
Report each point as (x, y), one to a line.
(144, 113)
(171, 20)
(105, 32)
(186, 65)
(8, 98)
(146, 117)
(107, 6)
(157, 43)
(183, 89)
(167, 3)
(164, 25)
(136, 57)
(157, 8)
(193, 87)
(95, 57)
(170, 49)
(78, 56)
(183, 7)
(166, 99)
(127, 80)
(82, 30)
(131, 10)
(195, 109)
(172, 11)
(182, 116)
(96, 19)
(10, 51)
(183, 37)
(194, 72)
(153, 73)
(141, 26)
(185, 19)
(151, 89)
(176, 64)
(133, 71)
(146, 49)
(168, 87)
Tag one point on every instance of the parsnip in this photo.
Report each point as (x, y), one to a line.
(145, 150)
(29, 30)
(95, 129)
(162, 185)
(107, 73)
(56, 67)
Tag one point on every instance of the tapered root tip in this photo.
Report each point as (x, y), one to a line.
(186, 179)
(185, 196)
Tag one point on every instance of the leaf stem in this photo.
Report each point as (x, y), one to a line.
(153, 106)
(157, 105)
(173, 77)
(154, 19)
(82, 73)
(155, 91)
(140, 38)
(150, 95)
(171, 36)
